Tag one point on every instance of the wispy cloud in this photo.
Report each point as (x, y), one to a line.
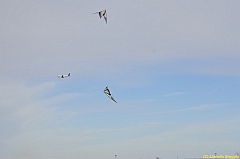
(193, 108)
(24, 110)
(178, 141)
(214, 91)
(206, 106)
(175, 94)
(190, 140)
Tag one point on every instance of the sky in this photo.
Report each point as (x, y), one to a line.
(173, 67)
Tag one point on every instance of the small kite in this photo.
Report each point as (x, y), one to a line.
(63, 76)
(107, 92)
(103, 14)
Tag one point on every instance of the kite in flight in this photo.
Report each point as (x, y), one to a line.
(103, 14)
(63, 76)
(107, 92)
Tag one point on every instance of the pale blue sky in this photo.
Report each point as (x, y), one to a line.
(172, 66)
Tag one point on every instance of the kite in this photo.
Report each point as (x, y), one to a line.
(103, 14)
(63, 76)
(107, 92)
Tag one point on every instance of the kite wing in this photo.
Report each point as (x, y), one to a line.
(105, 15)
(107, 92)
(99, 13)
(105, 19)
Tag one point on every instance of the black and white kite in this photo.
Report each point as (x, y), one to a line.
(63, 76)
(103, 14)
(107, 92)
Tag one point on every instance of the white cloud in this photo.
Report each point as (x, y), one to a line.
(30, 119)
(205, 106)
(14, 94)
(179, 142)
(174, 94)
